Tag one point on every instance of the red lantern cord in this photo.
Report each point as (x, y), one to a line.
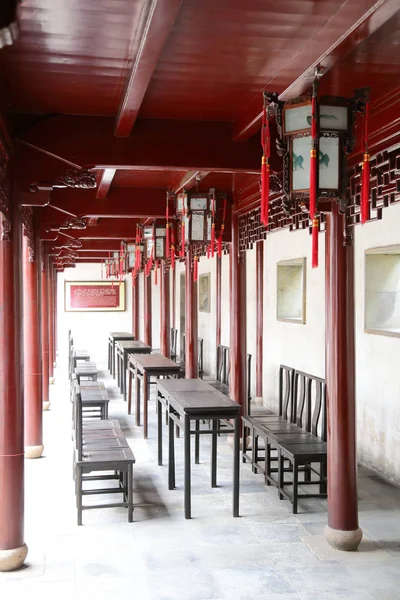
(265, 167)
(221, 234)
(196, 268)
(167, 243)
(173, 249)
(366, 170)
(213, 226)
(182, 253)
(313, 178)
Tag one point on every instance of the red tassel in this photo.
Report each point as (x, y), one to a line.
(265, 169)
(314, 233)
(167, 241)
(196, 269)
(182, 253)
(366, 171)
(172, 257)
(313, 183)
(219, 241)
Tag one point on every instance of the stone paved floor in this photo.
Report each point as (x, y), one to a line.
(266, 553)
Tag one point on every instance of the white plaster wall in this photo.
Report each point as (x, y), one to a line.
(225, 300)
(141, 306)
(156, 310)
(377, 363)
(207, 321)
(295, 344)
(89, 329)
(251, 310)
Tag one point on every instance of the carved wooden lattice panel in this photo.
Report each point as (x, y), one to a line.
(385, 190)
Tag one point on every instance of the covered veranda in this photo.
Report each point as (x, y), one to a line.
(137, 197)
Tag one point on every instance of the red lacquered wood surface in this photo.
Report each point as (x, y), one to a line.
(259, 317)
(32, 349)
(45, 328)
(191, 318)
(147, 313)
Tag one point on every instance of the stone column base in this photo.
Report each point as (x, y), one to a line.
(52, 380)
(46, 405)
(34, 451)
(13, 559)
(343, 540)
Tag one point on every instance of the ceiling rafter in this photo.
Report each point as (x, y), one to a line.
(104, 182)
(161, 16)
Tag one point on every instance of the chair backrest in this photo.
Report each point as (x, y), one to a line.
(286, 381)
(310, 403)
(223, 364)
(183, 349)
(200, 357)
(173, 342)
(78, 420)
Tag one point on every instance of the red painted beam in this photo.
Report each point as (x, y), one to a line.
(341, 34)
(121, 203)
(88, 246)
(203, 146)
(118, 230)
(189, 180)
(105, 183)
(161, 16)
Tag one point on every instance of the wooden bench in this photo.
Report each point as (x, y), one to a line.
(298, 437)
(102, 448)
(285, 412)
(222, 383)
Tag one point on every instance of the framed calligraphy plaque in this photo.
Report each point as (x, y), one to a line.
(91, 296)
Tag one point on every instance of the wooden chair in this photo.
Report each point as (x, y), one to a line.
(107, 456)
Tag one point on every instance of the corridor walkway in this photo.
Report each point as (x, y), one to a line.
(267, 553)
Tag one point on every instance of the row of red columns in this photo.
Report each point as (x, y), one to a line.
(27, 354)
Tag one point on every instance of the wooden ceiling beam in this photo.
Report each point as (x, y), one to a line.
(161, 15)
(119, 229)
(105, 182)
(341, 34)
(90, 141)
(121, 202)
(189, 180)
(88, 246)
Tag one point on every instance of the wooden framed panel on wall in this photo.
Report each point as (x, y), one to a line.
(94, 296)
(205, 293)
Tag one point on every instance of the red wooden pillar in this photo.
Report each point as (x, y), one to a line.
(32, 352)
(165, 313)
(147, 310)
(238, 343)
(342, 531)
(45, 333)
(259, 318)
(51, 321)
(191, 350)
(13, 550)
(135, 308)
(173, 298)
(218, 301)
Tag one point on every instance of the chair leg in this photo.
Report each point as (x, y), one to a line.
(267, 462)
(254, 453)
(79, 493)
(281, 474)
(295, 486)
(130, 493)
(323, 474)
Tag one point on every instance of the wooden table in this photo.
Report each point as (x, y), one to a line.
(143, 367)
(124, 349)
(186, 405)
(113, 337)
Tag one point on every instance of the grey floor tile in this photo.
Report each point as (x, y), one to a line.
(247, 583)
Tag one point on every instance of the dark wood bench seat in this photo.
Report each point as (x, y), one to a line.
(300, 440)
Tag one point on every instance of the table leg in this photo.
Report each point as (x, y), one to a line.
(187, 501)
(124, 375)
(236, 466)
(214, 425)
(108, 356)
(137, 388)
(130, 391)
(145, 404)
(197, 444)
(159, 431)
(117, 357)
(113, 358)
(171, 454)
